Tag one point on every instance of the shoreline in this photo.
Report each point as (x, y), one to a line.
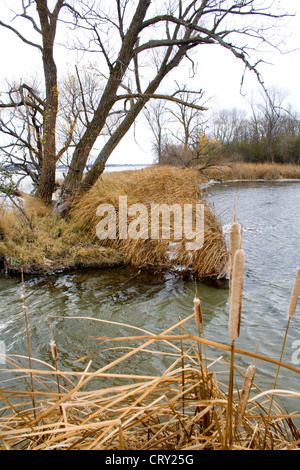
(55, 245)
(79, 251)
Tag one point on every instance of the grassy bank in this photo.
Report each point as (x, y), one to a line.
(41, 242)
(253, 171)
(50, 243)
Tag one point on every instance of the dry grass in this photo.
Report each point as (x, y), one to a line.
(157, 185)
(185, 408)
(254, 171)
(54, 243)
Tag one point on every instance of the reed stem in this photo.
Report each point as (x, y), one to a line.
(228, 430)
(291, 313)
(28, 342)
(54, 356)
(182, 368)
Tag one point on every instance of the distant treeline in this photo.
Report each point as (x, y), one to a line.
(270, 134)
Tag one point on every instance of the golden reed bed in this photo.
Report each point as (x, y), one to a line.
(56, 244)
(253, 171)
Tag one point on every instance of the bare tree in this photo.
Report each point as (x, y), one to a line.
(45, 24)
(21, 129)
(188, 118)
(137, 45)
(229, 125)
(21, 123)
(268, 115)
(157, 118)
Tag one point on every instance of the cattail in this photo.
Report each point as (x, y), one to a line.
(234, 245)
(244, 396)
(236, 294)
(234, 238)
(198, 311)
(53, 350)
(295, 295)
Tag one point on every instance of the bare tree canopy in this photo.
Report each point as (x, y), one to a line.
(134, 46)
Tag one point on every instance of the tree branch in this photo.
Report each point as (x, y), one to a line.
(30, 43)
(161, 97)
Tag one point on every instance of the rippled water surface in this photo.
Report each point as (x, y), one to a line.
(270, 215)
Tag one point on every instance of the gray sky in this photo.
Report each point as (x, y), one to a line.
(218, 73)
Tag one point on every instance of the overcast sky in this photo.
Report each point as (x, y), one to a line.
(218, 73)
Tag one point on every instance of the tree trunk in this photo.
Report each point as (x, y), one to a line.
(64, 204)
(47, 177)
(73, 180)
(48, 26)
(99, 165)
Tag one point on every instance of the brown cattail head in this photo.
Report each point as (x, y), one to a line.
(234, 238)
(234, 245)
(244, 396)
(295, 295)
(53, 350)
(236, 294)
(198, 311)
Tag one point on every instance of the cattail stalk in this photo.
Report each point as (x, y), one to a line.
(198, 311)
(236, 294)
(234, 329)
(295, 295)
(249, 377)
(291, 312)
(182, 369)
(121, 437)
(27, 336)
(54, 356)
(53, 350)
(234, 245)
(199, 321)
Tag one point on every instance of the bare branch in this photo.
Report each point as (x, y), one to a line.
(161, 97)
(30, 43)
(82, 95)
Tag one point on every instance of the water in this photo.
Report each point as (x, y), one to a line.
(26, 184)
(269, 213)
(270, 216)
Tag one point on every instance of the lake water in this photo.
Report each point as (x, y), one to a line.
(27, 187)
(270, 215)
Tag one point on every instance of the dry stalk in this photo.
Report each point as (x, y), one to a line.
(182, 366)
(145, 414)
(121, 437)
(198, 316)
(234, 245)
(291, 312)
(236, 295)
(245, 393)
(54, 357)
(28, 342)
